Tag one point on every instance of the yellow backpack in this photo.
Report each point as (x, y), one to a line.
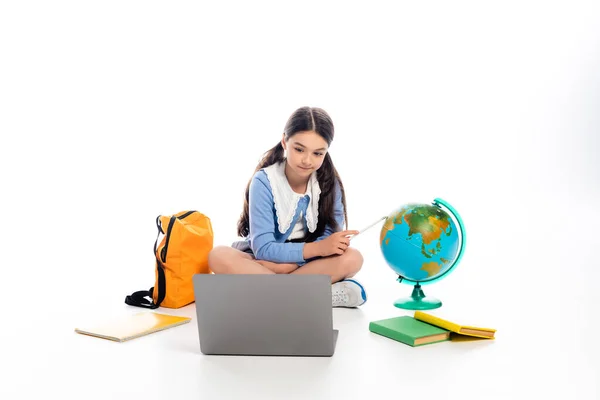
(182, 253)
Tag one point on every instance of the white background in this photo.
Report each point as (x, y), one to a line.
(114, 112)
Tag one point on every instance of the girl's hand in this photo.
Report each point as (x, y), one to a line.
(336, 243)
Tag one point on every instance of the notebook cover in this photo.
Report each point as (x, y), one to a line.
(452, 326)
(133, 326)
(407, 330)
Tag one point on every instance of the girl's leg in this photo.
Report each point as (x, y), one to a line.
(227, 260)
(338, 267)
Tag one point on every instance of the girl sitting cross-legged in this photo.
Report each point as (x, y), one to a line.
(294, 214)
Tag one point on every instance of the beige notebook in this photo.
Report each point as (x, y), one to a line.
(133, 326)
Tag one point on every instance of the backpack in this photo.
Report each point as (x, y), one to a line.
(182, 253)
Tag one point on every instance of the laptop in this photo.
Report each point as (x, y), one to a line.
(265, 315)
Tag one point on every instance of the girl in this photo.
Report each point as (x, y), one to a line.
(294, 214)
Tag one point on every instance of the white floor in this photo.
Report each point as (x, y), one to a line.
(543, 305)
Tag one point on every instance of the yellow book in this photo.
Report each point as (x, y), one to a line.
(133, 326)
(474, 331)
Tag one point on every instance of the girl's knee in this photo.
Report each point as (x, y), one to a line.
(217, 259)
(351, 261)
(222, 259)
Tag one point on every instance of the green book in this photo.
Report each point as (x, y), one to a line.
(409, 331)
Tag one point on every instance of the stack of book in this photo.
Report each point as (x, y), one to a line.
(425, 328)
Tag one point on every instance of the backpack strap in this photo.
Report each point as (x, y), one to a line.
(138, 299)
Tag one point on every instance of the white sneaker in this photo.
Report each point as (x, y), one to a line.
(348, 293)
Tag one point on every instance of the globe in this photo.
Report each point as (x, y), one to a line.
(422, 243)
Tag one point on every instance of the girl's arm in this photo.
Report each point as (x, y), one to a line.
(263, 225)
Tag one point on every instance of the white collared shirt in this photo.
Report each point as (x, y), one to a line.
(286, 201)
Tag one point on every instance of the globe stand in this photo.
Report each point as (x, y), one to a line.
(418, 301)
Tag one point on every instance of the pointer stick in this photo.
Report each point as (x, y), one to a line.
(368, 227)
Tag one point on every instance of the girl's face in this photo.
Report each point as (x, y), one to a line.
(305, 152)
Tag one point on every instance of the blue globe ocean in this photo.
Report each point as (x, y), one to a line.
(420, 242)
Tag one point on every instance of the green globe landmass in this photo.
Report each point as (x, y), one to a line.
(428, 222)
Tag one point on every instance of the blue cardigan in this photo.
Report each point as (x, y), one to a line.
(265, 240)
